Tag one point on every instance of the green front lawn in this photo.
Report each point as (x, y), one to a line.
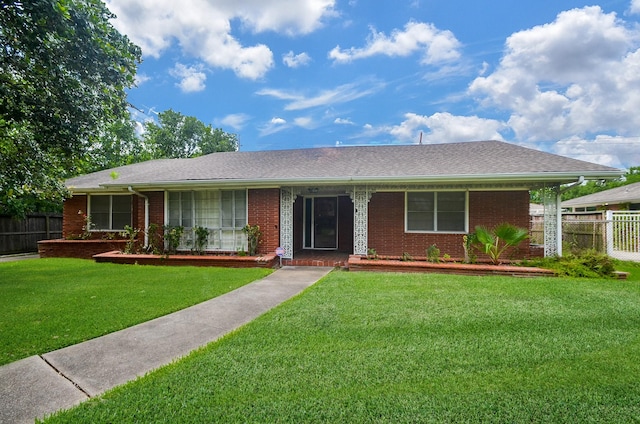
(47, 304)
(365, 347)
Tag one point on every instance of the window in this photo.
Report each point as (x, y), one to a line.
(110, 212)
(223, 212)
(431, 211)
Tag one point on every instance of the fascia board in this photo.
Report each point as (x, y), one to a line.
(533, 178)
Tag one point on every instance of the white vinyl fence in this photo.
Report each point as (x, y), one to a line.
(623, 235)
(616, 233)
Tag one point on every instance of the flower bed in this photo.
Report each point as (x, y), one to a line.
(228, 261)
(82, 249)
(362, 263)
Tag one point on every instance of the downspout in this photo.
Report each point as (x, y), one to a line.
(146, 214)
(559, 213)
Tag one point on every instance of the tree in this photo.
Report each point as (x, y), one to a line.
(119, 145)
(590, 187)
(593, 186)
(180, 136)
(63, 74)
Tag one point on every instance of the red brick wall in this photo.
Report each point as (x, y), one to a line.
(156, 208)
(72, 221)
(264, 210)
(386, 222)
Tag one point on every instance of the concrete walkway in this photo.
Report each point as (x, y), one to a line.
(40, 385)
(18, 257)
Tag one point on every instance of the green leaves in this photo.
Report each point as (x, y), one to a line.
(495, 242)
(63, 71)
(180, 136)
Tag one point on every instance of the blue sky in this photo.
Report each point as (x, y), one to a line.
(560, 76)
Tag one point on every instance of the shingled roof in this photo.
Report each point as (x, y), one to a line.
(626, 194)
(482, 161)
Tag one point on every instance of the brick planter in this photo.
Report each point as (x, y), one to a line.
(266, 261)
(83, 249)
(359, 263)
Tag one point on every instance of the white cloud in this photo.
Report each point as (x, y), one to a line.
(616, 151)
(192, 79)
(437, 46)
(445, 127)
(234, 120)
(296, 60)
(276, 124)
(635, 6)
(202, 28)
(343, 121)
(341, 94)
(573, 78)
(304, 122)
(141, 79)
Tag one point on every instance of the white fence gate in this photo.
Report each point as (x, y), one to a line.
(623, 235)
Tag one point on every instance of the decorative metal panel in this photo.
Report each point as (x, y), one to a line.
(360, 196)
(287, 198)
(551, 211)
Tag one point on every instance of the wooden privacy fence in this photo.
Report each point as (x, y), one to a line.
(22, 235)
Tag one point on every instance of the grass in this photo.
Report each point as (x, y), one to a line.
(365, 347)
(48, 304)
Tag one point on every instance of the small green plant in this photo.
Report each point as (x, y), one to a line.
(467, 242)
(433, 254)
(131, 235)
(202, 239)
(446, 257)
(253, 238)
(495, 242)
(372, 254)
(406, 257)
(87, 226)
(172, 237)
(587, 264)
(154, 239)
(241, 252)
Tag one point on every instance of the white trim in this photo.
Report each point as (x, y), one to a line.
(304, 222)
(110, 229)
(435, 223)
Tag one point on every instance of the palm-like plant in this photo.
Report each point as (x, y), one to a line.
(494, 242)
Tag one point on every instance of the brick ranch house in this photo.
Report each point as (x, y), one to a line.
(393, 199)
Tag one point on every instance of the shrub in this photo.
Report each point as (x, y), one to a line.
(253, 238)
(202, 239)
(588, 264)
(172, 236)
(433, 254)
(131, 234)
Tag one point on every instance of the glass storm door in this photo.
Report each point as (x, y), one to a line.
(321, 223)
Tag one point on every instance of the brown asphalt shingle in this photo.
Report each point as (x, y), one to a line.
(380, 163)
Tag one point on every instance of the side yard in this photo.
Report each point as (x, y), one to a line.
(48, 304)
(382, 347)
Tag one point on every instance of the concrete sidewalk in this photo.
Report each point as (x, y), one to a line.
(40, 385)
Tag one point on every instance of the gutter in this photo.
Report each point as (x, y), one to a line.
(146, 214)
(573, 184)
(558, 177)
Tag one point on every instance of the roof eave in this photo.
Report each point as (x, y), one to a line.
(529, 178)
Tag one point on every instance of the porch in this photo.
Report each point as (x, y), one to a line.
(331, 258)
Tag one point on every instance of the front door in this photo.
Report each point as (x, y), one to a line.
(321, 222)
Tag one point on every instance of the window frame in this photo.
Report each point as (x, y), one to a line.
(219, 234)
(435, 212)
(91, 212)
